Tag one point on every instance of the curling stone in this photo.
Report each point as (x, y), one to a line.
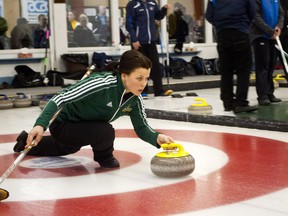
(280, 78)
(36, 99)
(22, 101)
(45, 100)
(5, 102)
(173, 162)
(201, 108)
(4, 194)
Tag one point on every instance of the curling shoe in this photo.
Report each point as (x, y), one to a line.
(21, 141)
(275, 100)
(111, 162)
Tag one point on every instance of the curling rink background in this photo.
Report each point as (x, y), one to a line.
(238, 171)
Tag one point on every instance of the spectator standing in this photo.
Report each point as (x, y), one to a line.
(102, 24)
(83, 36)
(4, 40)
(140, 23)
(172, 21)
(266, 27)
(41, 33)
(22, 35)
(71, 21)
(124, 34)
(181, 31)
(232, 20)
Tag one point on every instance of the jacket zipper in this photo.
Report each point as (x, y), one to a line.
(121, 105)
(148, 24)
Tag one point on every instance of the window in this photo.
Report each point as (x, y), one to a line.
(27, 27)
(88, 23)
(124, 35)
(193, 15)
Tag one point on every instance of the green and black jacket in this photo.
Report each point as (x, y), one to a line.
(100, 96)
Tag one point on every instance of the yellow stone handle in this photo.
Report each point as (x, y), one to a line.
(167, 154)
(279, 77)
(202, 102)
(172, 145)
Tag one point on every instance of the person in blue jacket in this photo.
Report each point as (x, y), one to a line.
(141, 16)
(266, 27)
(231, 20)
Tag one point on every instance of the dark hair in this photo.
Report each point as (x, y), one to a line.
(129, 61)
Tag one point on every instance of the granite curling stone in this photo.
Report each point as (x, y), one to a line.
(5, 102)
(175, 162)
(36, 99)
(22, 101)
(45, 100)
(200, 108)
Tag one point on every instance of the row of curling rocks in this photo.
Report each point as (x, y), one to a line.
(21, 100)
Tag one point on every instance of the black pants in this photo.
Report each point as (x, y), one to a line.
(235, 56)
(265, 57)
(151, 52)
(68, 137)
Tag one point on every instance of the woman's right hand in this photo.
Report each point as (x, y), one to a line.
(34, 136)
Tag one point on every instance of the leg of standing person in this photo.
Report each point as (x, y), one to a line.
(242, 57)
(262, 56)
(265, 56)
(224, 46)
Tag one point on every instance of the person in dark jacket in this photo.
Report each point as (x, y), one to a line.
(41, 33)
(89, 107)
(4, 40)
(22, 35)
(266, 27)
(232, 20)
(83, 36)
(181, 31)
(140, 23)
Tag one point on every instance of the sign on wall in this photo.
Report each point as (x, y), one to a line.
(31, 9)
(1, 8)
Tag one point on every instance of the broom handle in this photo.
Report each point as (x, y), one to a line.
(15, 163)
(282, 53)
(26, 150)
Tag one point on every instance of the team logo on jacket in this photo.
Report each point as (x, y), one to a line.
(151, 8)
(127, 109)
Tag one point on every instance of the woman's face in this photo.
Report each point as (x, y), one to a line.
(136, 81)
(71, 16)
